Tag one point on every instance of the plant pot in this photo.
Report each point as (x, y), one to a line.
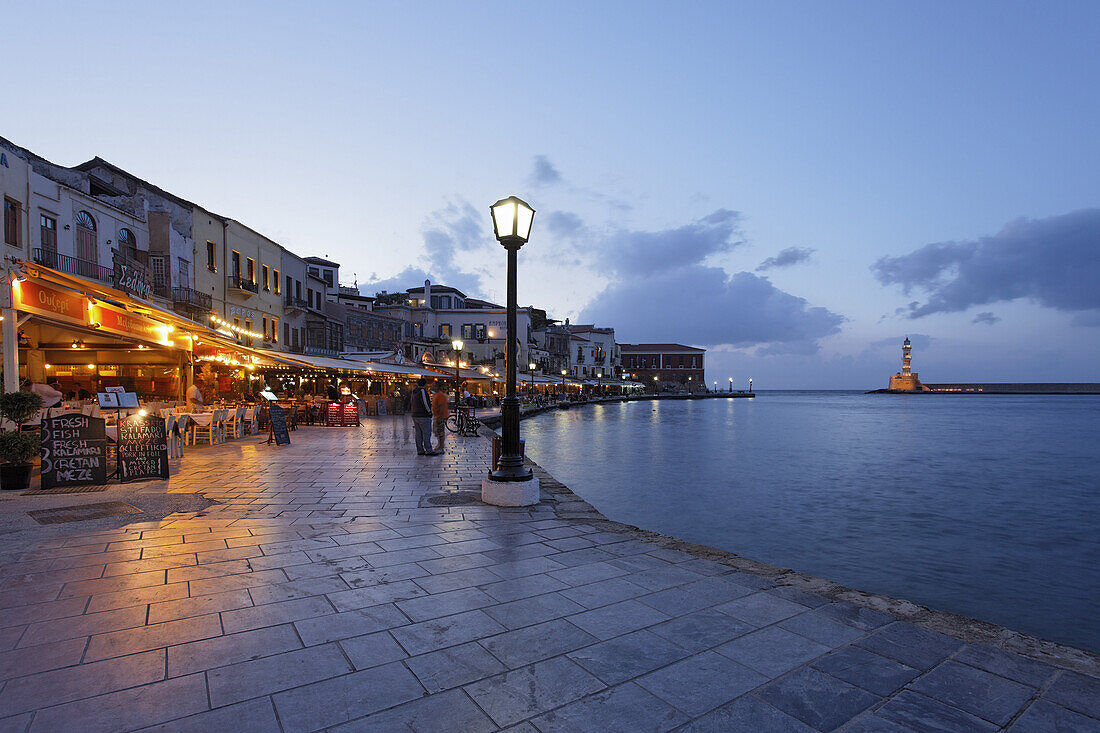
(15, 476)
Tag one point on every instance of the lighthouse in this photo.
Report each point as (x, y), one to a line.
(906, 380)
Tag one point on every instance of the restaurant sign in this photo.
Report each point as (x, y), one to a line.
(124, 323)
(35, 296)
(130, 277)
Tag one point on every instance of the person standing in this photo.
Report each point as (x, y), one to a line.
(420, 407)
(440, 412)
(194, 396)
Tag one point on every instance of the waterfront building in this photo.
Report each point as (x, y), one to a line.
(552, 344)
(593, 352)
(906, 380)
(672, 364)
(438, 314)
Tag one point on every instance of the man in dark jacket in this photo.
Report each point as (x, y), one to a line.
(420, 407)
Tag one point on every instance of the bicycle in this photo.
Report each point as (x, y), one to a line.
(463, 422)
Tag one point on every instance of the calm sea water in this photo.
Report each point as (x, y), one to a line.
(987, 506)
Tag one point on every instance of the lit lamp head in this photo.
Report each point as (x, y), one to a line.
(531, 366)
(512, 219)
(457, 344)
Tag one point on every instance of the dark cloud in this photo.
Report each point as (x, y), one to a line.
(787, 258)
(544, 173)
(638, 253)
(1053, 261)
(985, 317)
(563, 223)
(704, 305)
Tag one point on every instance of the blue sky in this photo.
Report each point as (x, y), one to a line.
(670, 150)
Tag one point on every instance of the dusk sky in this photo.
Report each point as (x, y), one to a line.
(794, 186)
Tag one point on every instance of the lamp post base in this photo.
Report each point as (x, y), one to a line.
(510, 493)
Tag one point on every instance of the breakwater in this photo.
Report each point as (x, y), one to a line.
(493, 421)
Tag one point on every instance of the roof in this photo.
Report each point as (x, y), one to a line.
(647, 348)
(478, 303)
(575, 337)
(320, 261)
(437, 289)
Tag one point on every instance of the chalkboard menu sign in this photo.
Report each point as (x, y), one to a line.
(381, 407)
(74, 451)
(277, 418)
(341, 415)
(142, 448)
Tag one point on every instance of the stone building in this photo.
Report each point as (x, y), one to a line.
(664, 364)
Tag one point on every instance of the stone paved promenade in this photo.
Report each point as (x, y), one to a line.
(323, 591)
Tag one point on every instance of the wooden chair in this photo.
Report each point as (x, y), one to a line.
(184, 428)
(173, 439)
(213, 433)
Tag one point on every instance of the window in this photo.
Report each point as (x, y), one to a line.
(275, 330)
(444, 330)
(127, 241)
(327, 277)
(211, 261)
(467, 330)
(236, 263)
(48, 226)
(275, 281)
(265, 272)
(248, 327)
(289, 286)
(87, 243)
(314, 271)
(286, 333)
(265, 327)
(160, 275)
(479, 331)
(251, 276)
(298, 289)
(11, 222)
(184, 273)
(309, 296)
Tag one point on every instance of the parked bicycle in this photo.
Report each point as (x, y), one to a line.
(463, 422)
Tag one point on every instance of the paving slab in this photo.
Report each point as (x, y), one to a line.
(318, 593)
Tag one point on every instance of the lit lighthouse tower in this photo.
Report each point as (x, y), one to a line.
(906, 380)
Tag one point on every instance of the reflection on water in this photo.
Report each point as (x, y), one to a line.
(985, 506)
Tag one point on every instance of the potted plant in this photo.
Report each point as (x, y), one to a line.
(18, 448)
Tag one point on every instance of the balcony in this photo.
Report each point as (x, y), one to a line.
(292, 303)
(188, 301)
(236, 282)
(73, 265)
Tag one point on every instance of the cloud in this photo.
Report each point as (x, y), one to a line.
(985, 317)
(639, 253)
(450, 234)
(786, 258)
(705, 305)
(544, 173)
(1053, 261)
(563, 223)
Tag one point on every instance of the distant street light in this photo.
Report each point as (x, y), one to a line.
(750, 385)
(731, 385)
(716, 386)
(456, 345)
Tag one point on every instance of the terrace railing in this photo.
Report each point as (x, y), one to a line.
(72, 265)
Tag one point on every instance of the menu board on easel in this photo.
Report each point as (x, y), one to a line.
(142, 448)
(341, 415)
(276, 417)
(74, 451)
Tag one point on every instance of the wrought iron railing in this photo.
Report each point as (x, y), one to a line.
(297, 303)
(72, 265)
(193, 298)
(240, 283)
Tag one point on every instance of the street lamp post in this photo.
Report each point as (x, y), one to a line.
(656, 386)
(563, 382)
(750, 385)
(457, 345)
(531, 377)
(512, 220)
(731, 385)
(599, 384)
